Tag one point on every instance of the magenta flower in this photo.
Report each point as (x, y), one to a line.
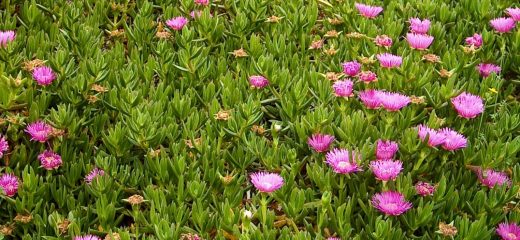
(491, 178)
(9, 184)
(351, 68)
(177, 23)
(508, 231)
(503, 25)
(424, 189)
(39, 131)
(43, 75)
(390, 203)
(514, 13)
(475, 40)
(419, 41)
(371, 98)
(393, 101)
(87, 237)
(4, 146)
(383, 41)
(320, 142)
(96, 172)
(368, 11)
(343, 88)
(453, 140)
(468, 105)
(257, 81)
(386, 170)
(202, 2)
(367, 76)
(6, 37)
(388, 60)
(50, 160)
(343, 161)
(266, 182)
(386, 149)
(435, 138)
(485, 69)
(418, 26)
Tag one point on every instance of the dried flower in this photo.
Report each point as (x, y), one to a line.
(355, 35)
(50, 160)
(318, 44)
(431, 58)
(320, 142)
(222, 115)
(6, 37)
(273, 19)
(393, 101)
(417, 100)
(447, 230)
(63, 226)
(388, 60)
(386, 149)
(343, 161)
(39, 131)
(351, 68)
(27, 218)
(386, 170)
(367, 76)
(435, 138)
(343, 88)
(202, 2)
(391, 203)
(87, 237)
(492, 178)
(508, 231)
(371, 98)
(113, 236)
(514, 13)
(43, 75)
(445, 73)
(6, 230)
(4, 146)
(240, 53)
(503, 25)
(383, 41)
(258, 129)
(163, 34)
(258, 81)
(335, 21)
(266, 182)
(331, 34)
(331, 51)
(98, 88)
(116, 33)
(424, 189)
(332, 76)
(190, 236)
(368, 11)
(190, 144)
(475, 40)
(453, 140)
(419, 41)
(9, 184)
(96, 172)
(31, 65)
(468, 105)
(419, 26)
(177, 23)
(135, 199)
(485, 69)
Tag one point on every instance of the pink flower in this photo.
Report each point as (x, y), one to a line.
(39, 131)
(87, 237)
(503, 25)
(343, 88)
(468, 105)
(351, 68)
(266, 182)
(393, 101)
(419, 41)
(514, 13)
(4, 146)
(9, 184)
(424, 189)
(383, 41)
(367, 76)
(386, 170)
(391, 203)
(435, 138)
(6, 37)
(453, 140)
(96, 172)
(388, 60)
(344, 162)
(368, 11)
(508, 231)
(50, 160)
(177, 23)
(371, 98)
(485, 69)
(43, 75)
(418, 26)
(320, 142)
(386, 149)
(258, 82)
(475, 40)
(202, 2)
(491, 178)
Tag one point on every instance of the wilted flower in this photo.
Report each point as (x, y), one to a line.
(317, 44)
(435, 138)
(334, 21)
(503, 25)
(419, 41)
(258, 81)
(383, 41)
(343, 88)
(393, 101)
(417, 99)
(351, 68)
(343, 161)
(386, 149)
(96, 172)
(431, 58)
(39, 131)
(43, 75)
(475, 40)
(514, 13)
(424, 189)
(266, 182)
(50, 160)
(508, 231)
(177, 23)
(391, 203)
(320, 142)
(485, 69)
(9, 184)
(367, 76)
(240, 53)
(447, 230)
(491, 178)
(222, 115)
(418, 26)
(453, 140)
(87, 237)
(386, 170)
(367, 10)
(331, 34)
(23, 218)
(388, 60)
(7, 230)
(6, 37)
(468, 105)
(331, 51)
(112, 236)
(445, 73)
(273, 19)
(202, 2)
(4, 146)
(371, 98)
(135, 199)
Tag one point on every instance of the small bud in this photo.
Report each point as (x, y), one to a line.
(277, 127)
(248, 214)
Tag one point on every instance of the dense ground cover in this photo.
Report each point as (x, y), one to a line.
(259, 119)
